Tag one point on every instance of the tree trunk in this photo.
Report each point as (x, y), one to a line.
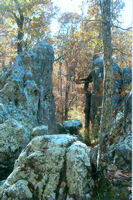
(67, 93)
(61, 92)
(106, 115)
(87, 110)
(20, 38)
(60, 79)
(20, 23)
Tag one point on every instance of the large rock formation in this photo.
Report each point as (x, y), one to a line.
(97, 94)
(121, 80)
(26, 101)
(118, 156)
(114, 181)
(51, 167)
(57, 167)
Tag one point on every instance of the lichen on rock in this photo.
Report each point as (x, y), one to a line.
(51, 167)
(26, 101)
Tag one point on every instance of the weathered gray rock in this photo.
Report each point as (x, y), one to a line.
(13, 138)
(26, 100)
(121, 83)
(19, 189)
(122, 124)
(37, 65)
(62, 129)
(73, 126)
(127, 110)
(120, 152)
(2, 182)
(114, 181)
(51, 167)
(39, 130)
(127, 76)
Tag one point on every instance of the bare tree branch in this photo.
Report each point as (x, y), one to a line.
(18, 7)
(101, 21)
(124, 29)
(59, 58)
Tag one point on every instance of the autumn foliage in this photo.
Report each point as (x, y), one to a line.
(76, 43)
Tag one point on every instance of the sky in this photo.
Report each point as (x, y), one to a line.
(127, 14)
(73, 6)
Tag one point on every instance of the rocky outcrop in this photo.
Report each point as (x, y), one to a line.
(37, 65)
(13, 139)
(120, 152)
(58, 167)
(39, 130)
(97, 94)
(26, 101)
(51, 167)
(121, 79)
(127, 112)
(127, 76)
(73, 126)
(120, 149)
(116, 179)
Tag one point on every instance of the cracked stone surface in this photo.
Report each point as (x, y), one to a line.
(52, 167)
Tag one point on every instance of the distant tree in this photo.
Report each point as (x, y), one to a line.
(64, 50)
(76, 45)
(28, 20)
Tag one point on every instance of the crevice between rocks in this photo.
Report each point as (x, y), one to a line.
(44, 187)
(63, 177)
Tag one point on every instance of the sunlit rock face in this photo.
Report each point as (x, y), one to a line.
(51, 167)
(26, 101)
